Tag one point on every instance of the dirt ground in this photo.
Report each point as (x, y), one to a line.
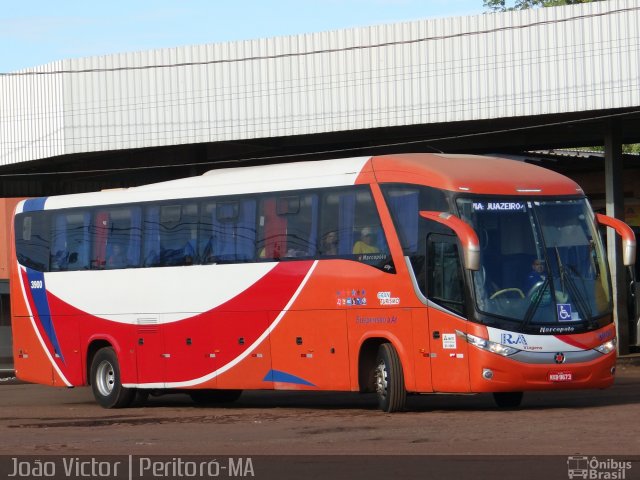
(43, 420)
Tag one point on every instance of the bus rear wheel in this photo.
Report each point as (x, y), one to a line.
(508, 399)
(106, 381)
(389, 380)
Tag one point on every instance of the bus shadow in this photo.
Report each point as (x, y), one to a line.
(624, 392)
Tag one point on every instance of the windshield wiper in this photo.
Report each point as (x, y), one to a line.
(568, 281)
(533, 307)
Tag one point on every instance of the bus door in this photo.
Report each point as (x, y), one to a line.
(445, 292)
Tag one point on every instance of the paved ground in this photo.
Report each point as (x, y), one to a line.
(38, 420)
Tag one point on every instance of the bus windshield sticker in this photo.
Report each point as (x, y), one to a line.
(499, 206)
(564, 312)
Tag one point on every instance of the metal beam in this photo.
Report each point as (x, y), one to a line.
(615, 208)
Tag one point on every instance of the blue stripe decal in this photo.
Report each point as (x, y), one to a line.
(283, 377)
(39, 294)
(34, 204)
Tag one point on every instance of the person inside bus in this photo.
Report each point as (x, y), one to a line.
(536, 275)
(330, 243)
(367, 241)
(116, 259)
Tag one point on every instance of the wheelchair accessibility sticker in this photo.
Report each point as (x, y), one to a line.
(564, 312)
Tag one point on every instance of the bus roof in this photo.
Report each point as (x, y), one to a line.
(473, 174)
(457, 173)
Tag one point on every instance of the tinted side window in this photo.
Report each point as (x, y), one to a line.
(350, 227)
(32, 240)
(336, 222)
(178, 233)
(444, 273)
(288, 226)
(116, 238)
(405, 203)
(70, 241)
(228, 230)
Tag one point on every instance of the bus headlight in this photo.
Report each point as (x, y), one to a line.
(607, 347)
(488, 345)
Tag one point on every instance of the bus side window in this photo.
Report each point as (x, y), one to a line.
(272, 231)
(178, 232)
(300, 213)
(206, 239)
(32, 243)
(70, 241)
(444, 273)
(151, 244)
(228, 232)
(346, 215)
(99, 239)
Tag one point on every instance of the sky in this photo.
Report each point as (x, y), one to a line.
(36, 32)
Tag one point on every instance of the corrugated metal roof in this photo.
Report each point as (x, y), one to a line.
(532, 62)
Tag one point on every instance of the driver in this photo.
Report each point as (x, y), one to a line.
(536, 275)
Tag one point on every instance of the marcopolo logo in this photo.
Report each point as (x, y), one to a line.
(595, 468)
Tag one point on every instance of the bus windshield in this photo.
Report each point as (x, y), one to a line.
(542, 261)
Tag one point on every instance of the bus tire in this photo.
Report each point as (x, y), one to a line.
(389, 380)
(213, 397)
(106, 382)
(507, 399)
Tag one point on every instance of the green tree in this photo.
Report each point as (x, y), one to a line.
(631, 148)
(501, 5)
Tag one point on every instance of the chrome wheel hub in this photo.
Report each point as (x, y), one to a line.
(381, 379)
(105, 378)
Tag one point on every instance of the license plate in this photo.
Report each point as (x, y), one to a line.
(560, 376)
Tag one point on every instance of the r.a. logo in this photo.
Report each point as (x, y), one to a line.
(513, 339)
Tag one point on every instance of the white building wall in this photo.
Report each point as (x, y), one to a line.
(31, 115)
(551, 60)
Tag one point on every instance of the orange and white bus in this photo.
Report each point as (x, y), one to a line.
(396, 274)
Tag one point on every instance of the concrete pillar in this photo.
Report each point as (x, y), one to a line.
(613, 168)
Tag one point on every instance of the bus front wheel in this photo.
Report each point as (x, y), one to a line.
(389, 380)
(106, 382)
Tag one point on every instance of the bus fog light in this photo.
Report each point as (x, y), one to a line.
(487, 373)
